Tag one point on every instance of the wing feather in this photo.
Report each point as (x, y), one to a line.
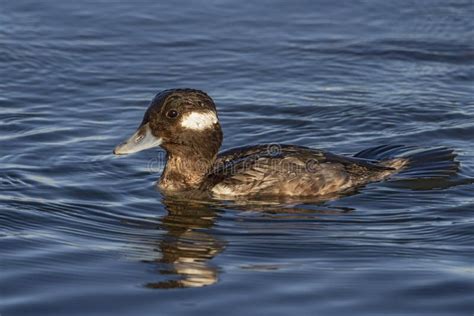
(289, 170)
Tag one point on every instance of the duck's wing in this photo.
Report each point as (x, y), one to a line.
(276, 169)
(235, 156)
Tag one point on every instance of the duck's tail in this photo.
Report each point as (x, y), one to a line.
(415, 162)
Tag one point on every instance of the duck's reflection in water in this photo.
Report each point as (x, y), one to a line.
(188, 245)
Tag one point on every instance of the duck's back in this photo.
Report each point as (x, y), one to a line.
(287, 170)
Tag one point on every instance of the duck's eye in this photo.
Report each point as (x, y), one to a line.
(172, 113)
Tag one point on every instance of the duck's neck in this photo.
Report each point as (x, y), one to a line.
(186, 169)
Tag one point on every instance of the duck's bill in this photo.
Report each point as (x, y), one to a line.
(142, 139)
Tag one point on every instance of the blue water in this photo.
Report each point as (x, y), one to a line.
(83, 232)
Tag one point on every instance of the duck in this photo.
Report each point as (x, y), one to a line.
(185, 123)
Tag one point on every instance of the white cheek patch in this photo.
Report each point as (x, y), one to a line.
(199, 120)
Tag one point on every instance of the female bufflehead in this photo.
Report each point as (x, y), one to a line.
(184, 122)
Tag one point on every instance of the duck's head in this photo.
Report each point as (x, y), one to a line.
(182, 121)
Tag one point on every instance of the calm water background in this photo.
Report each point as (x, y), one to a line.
(83, 232)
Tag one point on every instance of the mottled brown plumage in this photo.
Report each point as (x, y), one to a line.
(193, 163)
(287, 170)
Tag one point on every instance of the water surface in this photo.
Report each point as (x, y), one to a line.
(83, 232)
